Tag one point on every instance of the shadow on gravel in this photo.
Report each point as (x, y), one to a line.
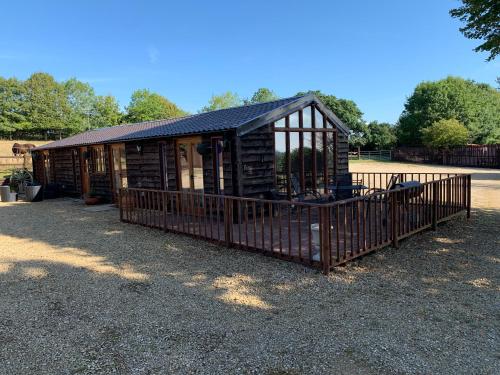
(98, 292)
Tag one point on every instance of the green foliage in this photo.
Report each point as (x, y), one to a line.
(482, 20)
(145, 106)
(475, 105)
(445, 134)
(47, 107)
(106, 112)
(12, 106)
(225, 100)
(262, 95)
(349, 113)
(380, 136)
(81, 99)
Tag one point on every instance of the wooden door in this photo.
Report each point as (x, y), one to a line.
(190, 174)
(190, 165)
(118, 169)
(84, 171)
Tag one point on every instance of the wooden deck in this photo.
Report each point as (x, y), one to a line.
(322, 235)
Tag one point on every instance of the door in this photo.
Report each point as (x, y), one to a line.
(190, 174)
(190, 165)
(84, 170)
(119, 169)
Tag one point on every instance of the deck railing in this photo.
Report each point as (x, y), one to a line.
(318, 235)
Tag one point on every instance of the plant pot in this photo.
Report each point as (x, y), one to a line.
(316, 241)
(12, 197)
(5, 193)
(34, 193)
(91, 201)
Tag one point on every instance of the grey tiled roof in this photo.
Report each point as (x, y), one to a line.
(214, 121)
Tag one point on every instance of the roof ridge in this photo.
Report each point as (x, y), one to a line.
(252, 104)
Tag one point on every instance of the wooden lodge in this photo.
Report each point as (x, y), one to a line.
(270, 177)
(245, 151)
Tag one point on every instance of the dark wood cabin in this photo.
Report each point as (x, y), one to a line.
(281, 146)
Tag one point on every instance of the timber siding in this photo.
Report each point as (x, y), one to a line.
(68, 170)
(256, 161)
(342, 154)
(143, 169)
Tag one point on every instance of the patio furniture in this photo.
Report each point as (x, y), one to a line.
(302, 196)
(340, 188)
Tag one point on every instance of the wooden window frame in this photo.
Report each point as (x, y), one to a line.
(314, 130)
(98, 163)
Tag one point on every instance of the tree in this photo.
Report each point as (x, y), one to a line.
(145, 106)
(348, 112)
(445, 134)
(82, 100)
(106, 112)
(47, 107)
(262, 95)
(380, 136)
(12, 106)
(482, 20)
(225, 100)
(475, 105)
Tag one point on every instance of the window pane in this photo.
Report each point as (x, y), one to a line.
(294, 120)
(295, 162)
(319, 119)
(331, 150)
(306, 117)
(280, 160)
(320, 183)
(308, 159)
(280, 123)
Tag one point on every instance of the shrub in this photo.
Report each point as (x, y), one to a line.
(445, 134)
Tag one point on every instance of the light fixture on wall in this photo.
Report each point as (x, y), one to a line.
(139, 149)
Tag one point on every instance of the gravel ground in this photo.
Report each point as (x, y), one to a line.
(82, 293)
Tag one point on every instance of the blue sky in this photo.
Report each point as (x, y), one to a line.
(373, 52)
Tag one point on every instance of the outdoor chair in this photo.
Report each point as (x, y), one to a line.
(307, 195)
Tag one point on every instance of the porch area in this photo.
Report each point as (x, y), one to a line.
(321, 235)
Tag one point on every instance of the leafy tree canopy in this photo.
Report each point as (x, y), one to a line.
(226, 100)
(47, 106)
(106, 112)
(145, 106)
(475, 105)
(348, 112)
(12, 106)
(262, 95)
(482, 21)
(445, 134)
(380, 136)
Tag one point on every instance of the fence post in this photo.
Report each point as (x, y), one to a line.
(469, 191)
(434, 204)
(165, 210)
(324, 236)
(394, 218)
(120, 203)
(228, 221)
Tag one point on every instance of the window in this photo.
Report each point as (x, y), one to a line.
(47, 168)
(97, 160)
(305, 155)
(218, 164)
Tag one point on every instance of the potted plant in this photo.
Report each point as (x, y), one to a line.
(10, 195)
(33, 192)
(19, 178)
(92, 199)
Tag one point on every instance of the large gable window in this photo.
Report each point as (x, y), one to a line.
(305, 152)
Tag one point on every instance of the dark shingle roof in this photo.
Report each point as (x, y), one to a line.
(219, 120)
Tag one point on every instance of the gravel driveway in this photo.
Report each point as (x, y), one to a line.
(82, 293)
